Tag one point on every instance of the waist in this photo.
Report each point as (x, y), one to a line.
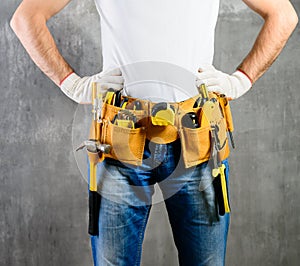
(125, 125)
(159, 81)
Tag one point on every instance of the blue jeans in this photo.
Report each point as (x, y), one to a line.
(200, 234)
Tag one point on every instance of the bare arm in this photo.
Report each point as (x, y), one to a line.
(29, 24)
(280, 21)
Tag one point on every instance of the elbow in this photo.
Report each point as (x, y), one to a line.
(290, 21)
(290, 17)
(285, 17)
(22, 21)
(15, 22)
(293, 19)
(19, 22)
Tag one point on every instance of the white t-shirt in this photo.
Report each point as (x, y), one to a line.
(177, 32)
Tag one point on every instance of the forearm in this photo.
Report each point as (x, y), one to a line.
(40, 45)
(273, 36)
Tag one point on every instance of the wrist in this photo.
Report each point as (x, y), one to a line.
(68, 85)
(242, 79)
(240, 84)
(61, 81)
(246, 74)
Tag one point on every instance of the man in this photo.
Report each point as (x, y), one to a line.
(173, 31)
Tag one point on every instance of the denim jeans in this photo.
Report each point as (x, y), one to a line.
(200, 234)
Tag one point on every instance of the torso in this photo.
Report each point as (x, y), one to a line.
(179, 32)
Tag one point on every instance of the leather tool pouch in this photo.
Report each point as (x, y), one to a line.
(195, 145)
(128, 143)
(196, 142)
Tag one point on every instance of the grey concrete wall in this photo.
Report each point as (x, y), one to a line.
(43, 198)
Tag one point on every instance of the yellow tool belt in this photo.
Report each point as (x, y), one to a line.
(121, 125)
(127, 143)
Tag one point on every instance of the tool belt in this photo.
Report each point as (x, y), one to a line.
(122, 124)
(127, 142)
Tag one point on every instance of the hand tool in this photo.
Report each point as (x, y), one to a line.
(199, 102)
(109, 96)
(219, 178)
(97, 102)
(135, 105)
(213, 113)
(124, 118)
(94, 146)
(202, 89)
(124, 103)
(190, 120)
(94, 196)
(163, 114)
(228, 118)
(117, 98)
(94, 100)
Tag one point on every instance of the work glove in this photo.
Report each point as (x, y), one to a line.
(232, 86)
(80, 89)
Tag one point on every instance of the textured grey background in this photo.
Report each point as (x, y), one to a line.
(43, 199)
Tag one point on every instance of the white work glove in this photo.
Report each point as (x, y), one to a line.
(233, 86)
(80, 89)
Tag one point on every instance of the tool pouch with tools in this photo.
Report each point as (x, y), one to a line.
(202, 124)
(128, 143)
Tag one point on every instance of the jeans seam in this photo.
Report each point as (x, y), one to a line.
(141, 237)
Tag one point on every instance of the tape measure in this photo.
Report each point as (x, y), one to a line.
(163, 114)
